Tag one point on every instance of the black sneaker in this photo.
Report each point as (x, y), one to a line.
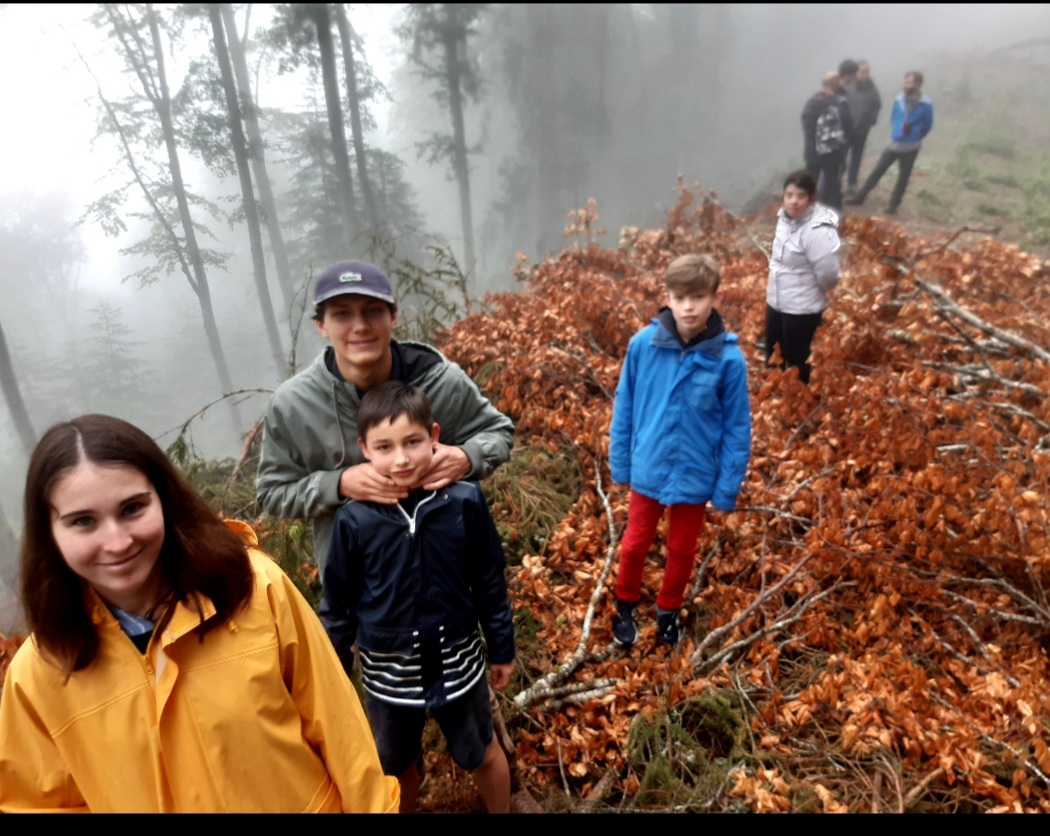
(624, 631)
(667, 626)
(856, 200)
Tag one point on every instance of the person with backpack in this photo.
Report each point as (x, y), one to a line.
(826, 129)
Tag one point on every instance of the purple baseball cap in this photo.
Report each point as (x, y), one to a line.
(353, 277)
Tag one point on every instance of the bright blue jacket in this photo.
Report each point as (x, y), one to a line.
(918, 123)
(681, 426)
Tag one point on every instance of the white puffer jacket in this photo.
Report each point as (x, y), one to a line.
(804, 265)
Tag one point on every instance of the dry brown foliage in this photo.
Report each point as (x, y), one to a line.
(878, 599)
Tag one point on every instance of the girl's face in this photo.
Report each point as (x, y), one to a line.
(108, 524)
(796, 201)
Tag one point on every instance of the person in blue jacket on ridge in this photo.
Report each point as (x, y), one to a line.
(911, 120)
(680, 436)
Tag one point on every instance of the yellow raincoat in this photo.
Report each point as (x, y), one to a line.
(258, 716)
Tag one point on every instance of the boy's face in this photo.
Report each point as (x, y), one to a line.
(359, 328)
(401, 449)
(691, 310)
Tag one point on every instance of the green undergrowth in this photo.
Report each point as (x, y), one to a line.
(529, 496)
(683, 756)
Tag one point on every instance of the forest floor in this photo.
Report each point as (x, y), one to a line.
(869, 630)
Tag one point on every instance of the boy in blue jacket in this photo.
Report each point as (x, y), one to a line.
(410, 582)
(680, 436)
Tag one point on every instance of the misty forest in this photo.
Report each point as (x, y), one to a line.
(869, 629)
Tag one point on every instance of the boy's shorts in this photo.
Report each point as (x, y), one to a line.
(466, 723)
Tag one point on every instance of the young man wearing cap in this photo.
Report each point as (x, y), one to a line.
(311, 462)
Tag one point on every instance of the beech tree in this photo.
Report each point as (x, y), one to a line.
(353, 97)
(438, 35)
(257, 154)
(13, 396)
(251, 211)
(320, 15)
(173, 243)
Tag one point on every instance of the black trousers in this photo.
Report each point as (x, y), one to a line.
(827, 168)
(856, 151)
(794, 332)
(905, 161)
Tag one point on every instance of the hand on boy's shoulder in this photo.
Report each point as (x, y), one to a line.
(450, 464)
(363, 483)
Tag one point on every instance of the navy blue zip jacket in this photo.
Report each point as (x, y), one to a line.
(393, 585)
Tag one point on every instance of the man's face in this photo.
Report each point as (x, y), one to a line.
(863, 73)
(911, 86)
(359, 328)
(401, 449)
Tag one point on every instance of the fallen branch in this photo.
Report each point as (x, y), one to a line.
(576, 688)
(966, 628)
(764, 596)
(200, 412)
(581, 654)
(920, 788)
(983, 374)
(701, 572)
(598, 791)
(995, 230)
(998, 613)
(1028, 765)
(246, 451)
(799, 609)
(945, 303)
(808, 481)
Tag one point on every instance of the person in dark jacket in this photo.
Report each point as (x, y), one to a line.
(826, 129)
(864, 106)
(409, 582)
(309, 465)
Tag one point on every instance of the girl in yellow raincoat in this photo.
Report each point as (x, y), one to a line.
(172, 666)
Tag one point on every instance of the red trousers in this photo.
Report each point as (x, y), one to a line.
(643, 515)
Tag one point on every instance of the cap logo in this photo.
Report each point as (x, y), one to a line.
(351, 277)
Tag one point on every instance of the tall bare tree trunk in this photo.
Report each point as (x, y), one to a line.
(354, 101)
(251, 212)
(257, 153)
(541, 41)
(455, 44)
(211, 330)
(11, 620)
(13, 396)
(319, 13)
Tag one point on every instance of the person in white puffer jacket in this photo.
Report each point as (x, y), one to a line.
(803, 268)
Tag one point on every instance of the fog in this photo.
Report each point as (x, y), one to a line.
(572, 102)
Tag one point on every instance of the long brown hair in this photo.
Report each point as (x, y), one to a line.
(200, 555)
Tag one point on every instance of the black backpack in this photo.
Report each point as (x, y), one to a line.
(830, 134)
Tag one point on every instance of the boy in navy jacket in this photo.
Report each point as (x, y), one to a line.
(680, 436)
(410, 580)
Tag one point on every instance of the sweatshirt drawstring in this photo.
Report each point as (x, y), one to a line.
(338, 426)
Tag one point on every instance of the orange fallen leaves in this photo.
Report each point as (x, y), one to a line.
(931, 503)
